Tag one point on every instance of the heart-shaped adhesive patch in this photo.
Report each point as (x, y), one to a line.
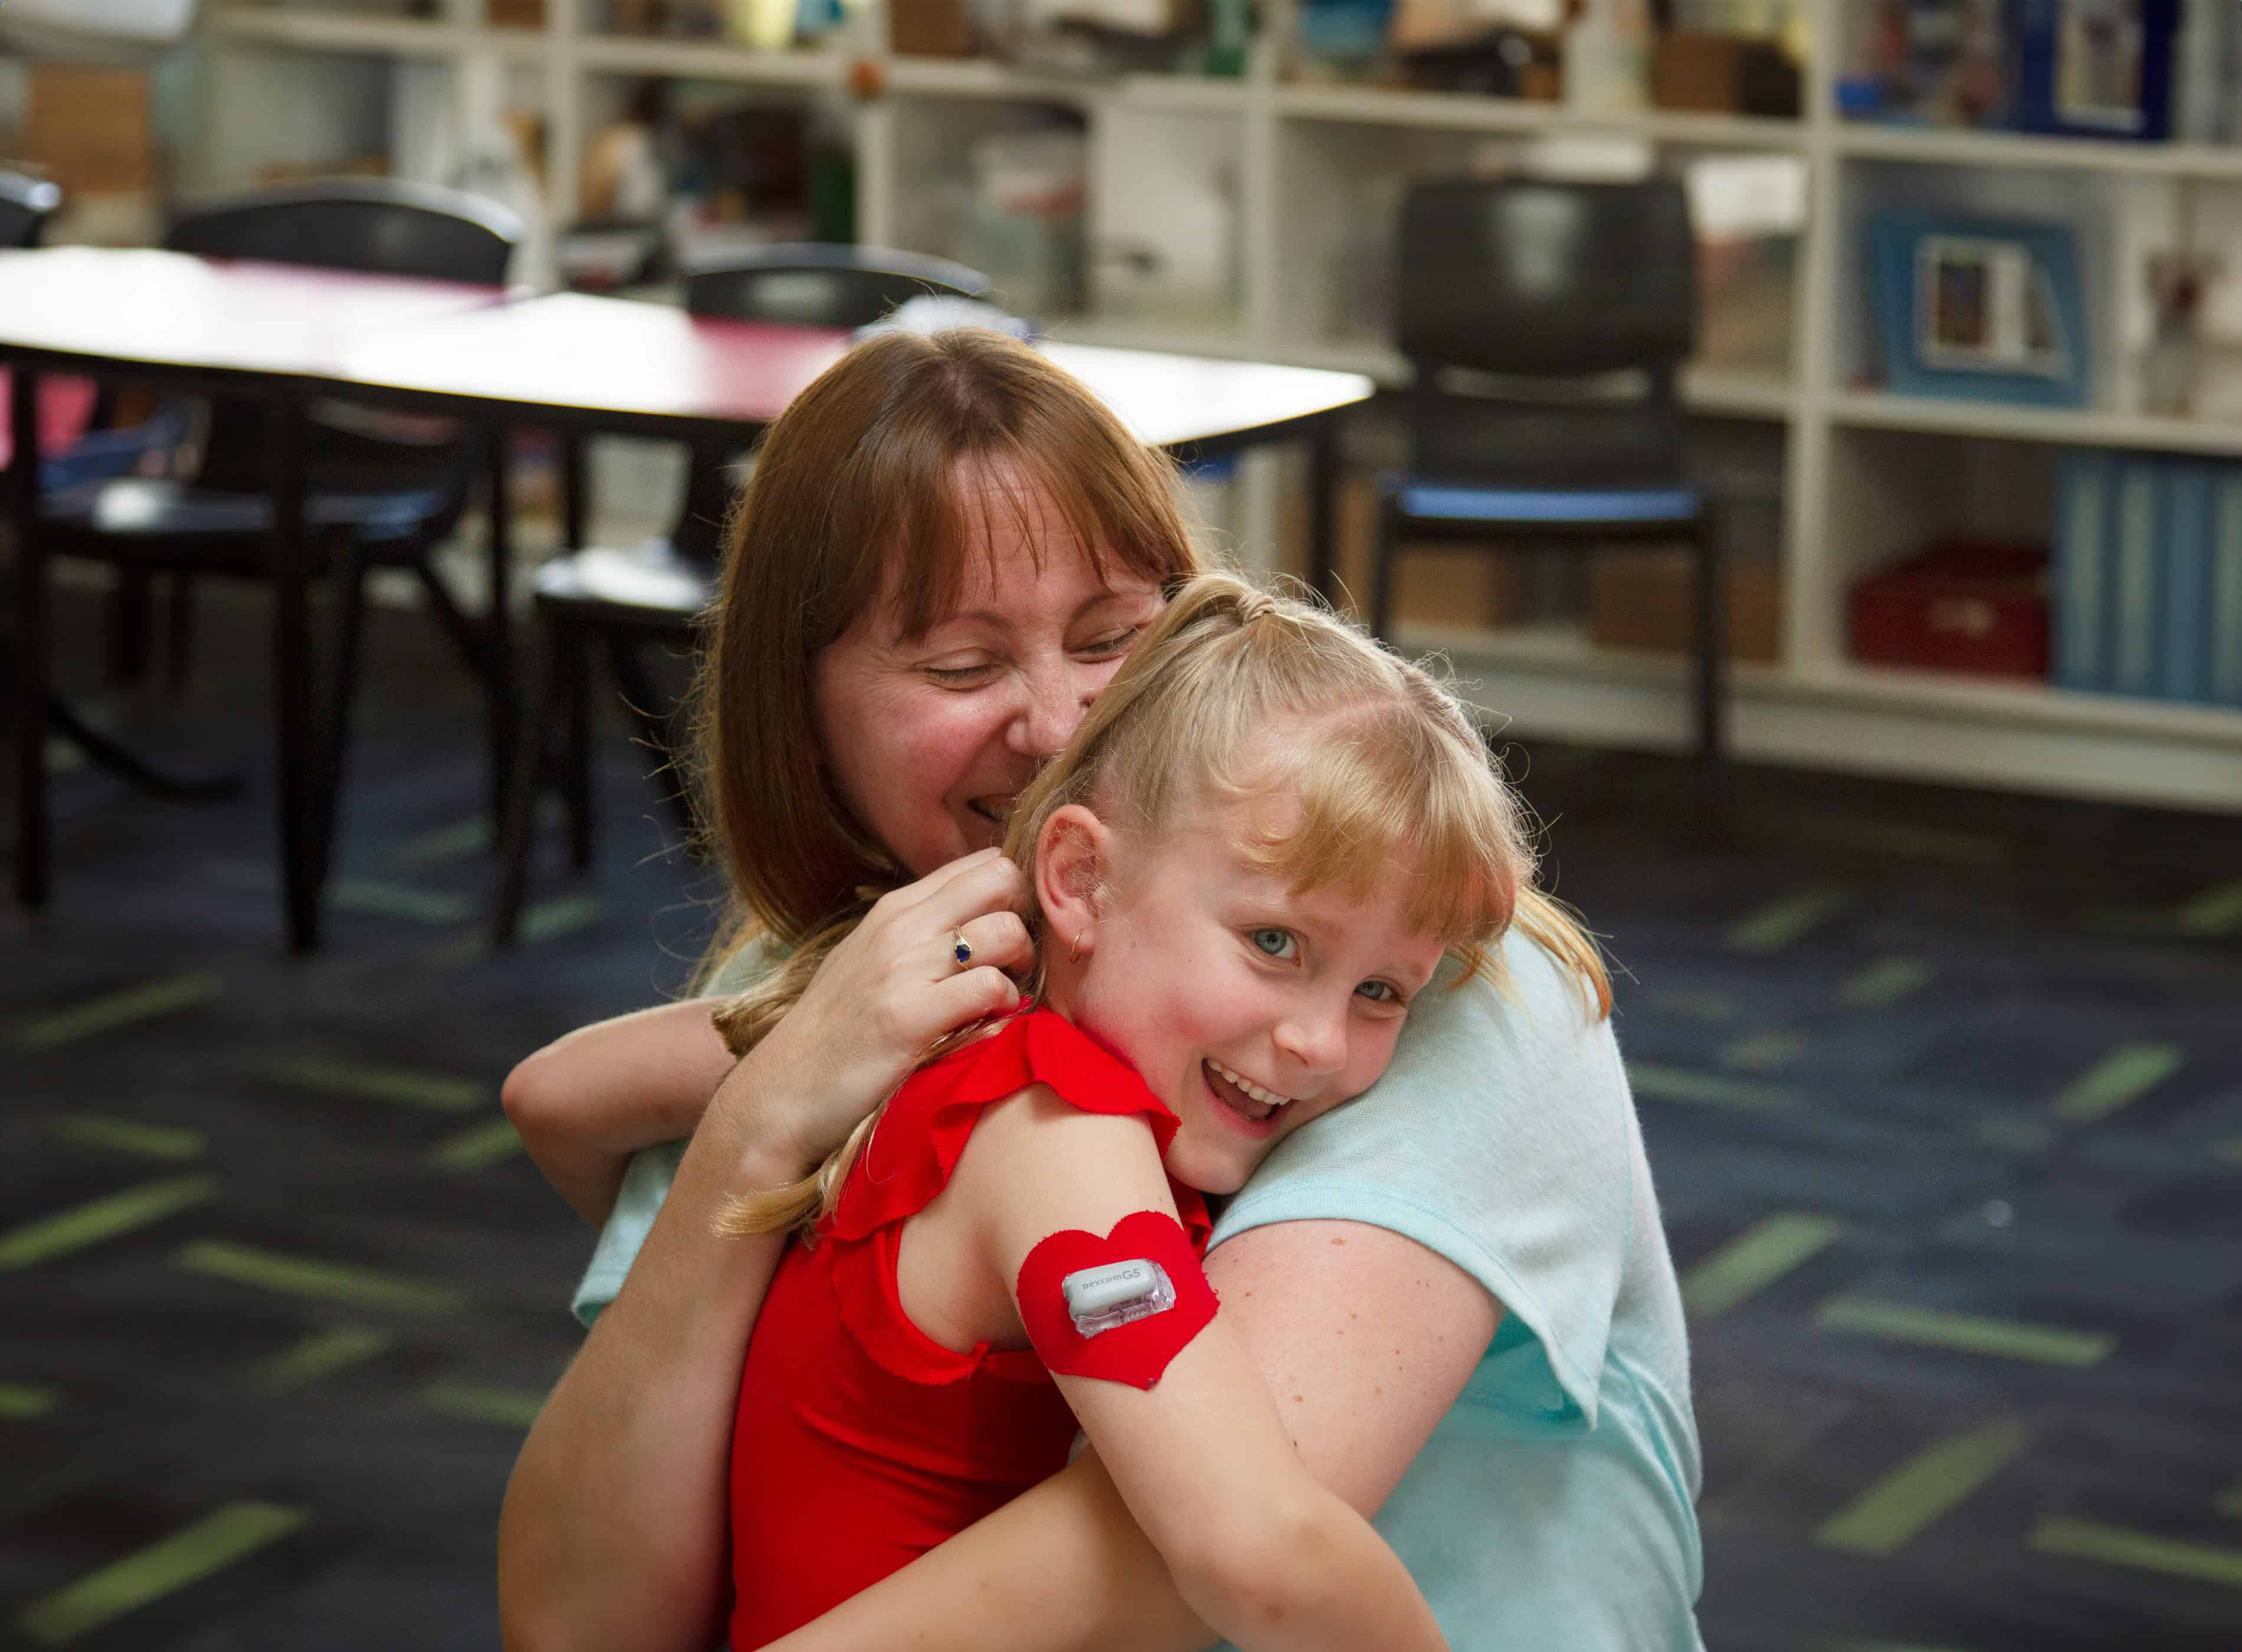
(1138, 1352)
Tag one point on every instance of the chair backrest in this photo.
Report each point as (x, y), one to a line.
(26, 204)
(1534, 276)
(812, 284)
(802, 284)
(379, 227)
(1548, 292)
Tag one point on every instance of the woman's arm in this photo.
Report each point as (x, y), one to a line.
(1365, 1338)
(614, 1529)
(1257, 1548)
(585, 1103)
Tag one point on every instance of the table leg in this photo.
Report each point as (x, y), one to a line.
(575, 490)
(499, 548)
(31, 641)
(299, 759)
(1323, 508)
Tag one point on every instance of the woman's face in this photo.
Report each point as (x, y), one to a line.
(930, 739)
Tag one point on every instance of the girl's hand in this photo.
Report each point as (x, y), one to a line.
(885, 995)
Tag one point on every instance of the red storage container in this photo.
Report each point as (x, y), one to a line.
(1962, 605)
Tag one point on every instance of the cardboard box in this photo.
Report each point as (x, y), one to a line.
(1446, 585)
(930, 27)
(1648, 601)
(1723, 74)
(92, 130)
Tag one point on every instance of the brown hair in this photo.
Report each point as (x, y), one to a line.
(856, 502)
(1389, 770)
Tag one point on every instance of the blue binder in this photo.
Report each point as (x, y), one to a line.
(2223, 640)
(2085, 499)
(2135, 533)
(2184, 640)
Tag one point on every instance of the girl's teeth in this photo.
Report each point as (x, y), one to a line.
(1267, 1098)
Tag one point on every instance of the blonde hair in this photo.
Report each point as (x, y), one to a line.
(858, 506)
(1388, 766)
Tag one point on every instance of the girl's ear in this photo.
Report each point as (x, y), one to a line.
(1072, 853)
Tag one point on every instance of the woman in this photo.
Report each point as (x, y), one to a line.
(945, 551)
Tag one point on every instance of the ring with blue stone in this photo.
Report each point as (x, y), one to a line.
(960, 948)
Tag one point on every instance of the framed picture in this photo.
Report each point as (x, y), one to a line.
(1975, 308)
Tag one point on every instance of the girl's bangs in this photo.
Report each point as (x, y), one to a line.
(1385, 796)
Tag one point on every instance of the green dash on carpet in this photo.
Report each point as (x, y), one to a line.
(406, 901)
(1763, 1051)
(477, 1402)
(2124, 1076)
(563, 914)
(309, 1276)
(20, 1402)
(115, 1010)
(1676, 1084)
(320, 1355)
(408, 1086)
(451, 843)
(1884, 1518)
(103, 1218)
(1965, 1333)
(2215, 911)
(1755, 1259)
(128, 1136)
(1695, 1006)
(1885, 981)
(2013, 1135)
(2229, 1151)
(473, 1148)
(1773, 927)
(186, 1556)
(2230, 1500)
(2087, 1539)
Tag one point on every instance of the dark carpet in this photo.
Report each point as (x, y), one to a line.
(1944, 1093)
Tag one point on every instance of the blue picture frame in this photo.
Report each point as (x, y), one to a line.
(1983, 309)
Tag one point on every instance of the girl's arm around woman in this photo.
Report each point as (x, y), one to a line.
(1258, 1549)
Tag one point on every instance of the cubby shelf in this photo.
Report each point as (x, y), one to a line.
(1861, 467)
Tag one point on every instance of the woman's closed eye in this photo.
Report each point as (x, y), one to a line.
(1104, 648)
(961, 673)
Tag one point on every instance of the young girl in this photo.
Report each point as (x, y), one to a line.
(1255, 852)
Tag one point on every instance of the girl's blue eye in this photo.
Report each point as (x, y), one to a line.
(1277, 943)
(1380, 991)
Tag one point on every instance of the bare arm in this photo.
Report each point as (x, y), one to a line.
(1258, 1547)
(1365, 1343)
(614, 1529)
(585, 1103)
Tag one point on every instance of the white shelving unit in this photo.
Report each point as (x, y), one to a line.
(1867, 475)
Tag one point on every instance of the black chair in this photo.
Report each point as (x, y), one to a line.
(381, 492)
(621, 601)
(26, 204)
(1545, 323)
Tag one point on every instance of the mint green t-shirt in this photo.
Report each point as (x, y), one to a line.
(1554, 1506)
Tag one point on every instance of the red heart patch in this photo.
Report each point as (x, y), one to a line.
(1138, 1352)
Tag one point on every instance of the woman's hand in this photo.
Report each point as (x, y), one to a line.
(888, 991)
(614, 1524)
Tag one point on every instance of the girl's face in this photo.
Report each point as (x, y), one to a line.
(930, 739)
(1248, 1009)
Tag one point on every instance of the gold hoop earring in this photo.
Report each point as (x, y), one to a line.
(1074, 952)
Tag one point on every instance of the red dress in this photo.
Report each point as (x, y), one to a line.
(860, 1442)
